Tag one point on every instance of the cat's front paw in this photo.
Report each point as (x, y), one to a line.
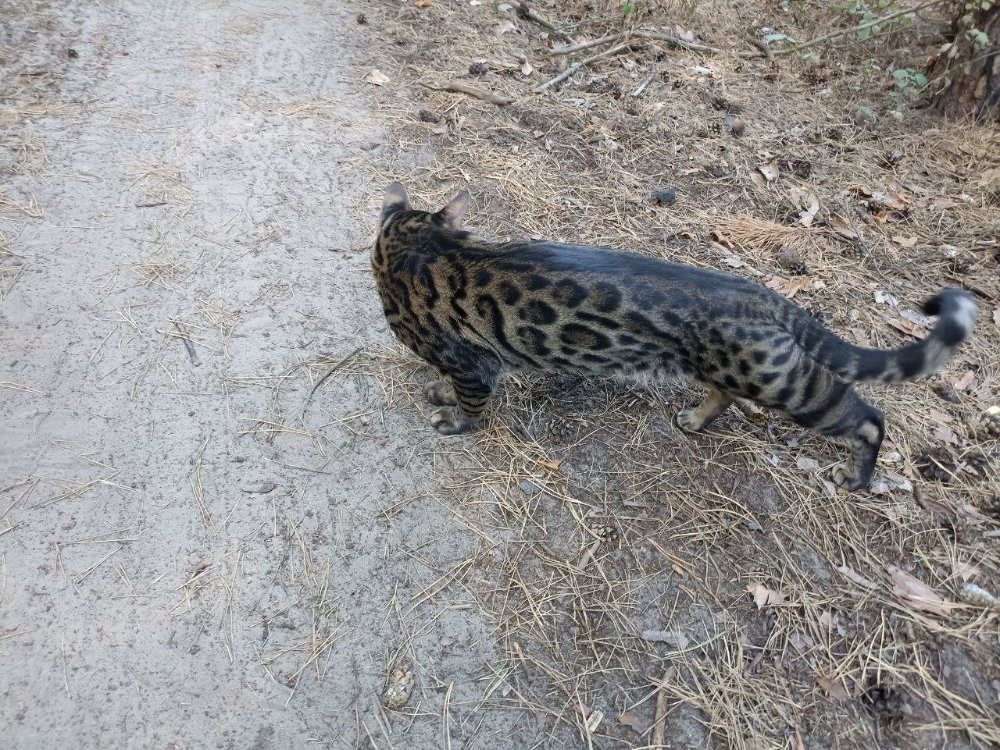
(447, 421)
(846, 476)
(440, 393)
(687, 419)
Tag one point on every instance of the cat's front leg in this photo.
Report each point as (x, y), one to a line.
(471, 393)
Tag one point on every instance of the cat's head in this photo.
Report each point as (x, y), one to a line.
(396, 208)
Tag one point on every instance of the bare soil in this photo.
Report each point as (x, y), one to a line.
(224, 519)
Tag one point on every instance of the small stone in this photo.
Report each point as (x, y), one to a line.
(362, 19)
(529, 488)
(479, 68)
(737, 127)
(72, 54)
(426, 115)
(664, 197)
(398, 688)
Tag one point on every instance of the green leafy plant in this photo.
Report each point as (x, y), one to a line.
(869, 13)
(909, 85)
(628, 9)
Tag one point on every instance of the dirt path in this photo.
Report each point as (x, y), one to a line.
(184, 560)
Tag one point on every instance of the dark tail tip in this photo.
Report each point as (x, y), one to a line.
(933, 305)
(956, 311)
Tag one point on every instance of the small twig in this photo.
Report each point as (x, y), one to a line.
(860, 26)
(673, 41)
(524, 11)
(571, 48)
(150, 205)
(641, 88)
(458, 87)
(559, 78)
(187, 344)
(764, 47)
(659, 723)
(586, 61)
(323, 379)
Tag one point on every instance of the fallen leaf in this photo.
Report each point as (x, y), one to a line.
(733, 262)
(377, 78)
(594, 721)
(905, 241)
(765, 597)
(777, 283)
(526, 69)
(940, 203)
(939, 416)
(851, 575)
(843, 227)
(683, 34)
(990, 177)
(964, 570)
(996, 316)
(884, 298)
(633, 722)
(769, 170)
(914, 317)
(809, 204)
(551, 465)
(504, 28)
(967, 379)
(914, 592)
(806, 464)
(834, 688)
(796, 285)
(909, 328)
(827, 619)
(892, 200)
(801, 641)
(670, 637)
(424, 3)
(946, 435)
(884, 484)
(702, 70)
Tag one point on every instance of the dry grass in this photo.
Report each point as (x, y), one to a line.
(697, 523)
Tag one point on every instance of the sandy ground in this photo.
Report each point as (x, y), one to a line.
(180, 564)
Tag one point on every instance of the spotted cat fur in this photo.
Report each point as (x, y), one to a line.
(477, 310)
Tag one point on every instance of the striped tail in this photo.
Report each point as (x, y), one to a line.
(956, 313)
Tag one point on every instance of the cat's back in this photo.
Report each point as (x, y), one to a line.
(580, 270)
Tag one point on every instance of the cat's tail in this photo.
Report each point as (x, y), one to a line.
(956, 313)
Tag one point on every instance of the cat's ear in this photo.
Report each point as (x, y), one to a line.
(454, 212)
(395, 200)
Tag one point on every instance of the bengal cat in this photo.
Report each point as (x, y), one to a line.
(477, 310)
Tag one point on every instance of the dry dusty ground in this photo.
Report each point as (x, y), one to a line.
(196, 551)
